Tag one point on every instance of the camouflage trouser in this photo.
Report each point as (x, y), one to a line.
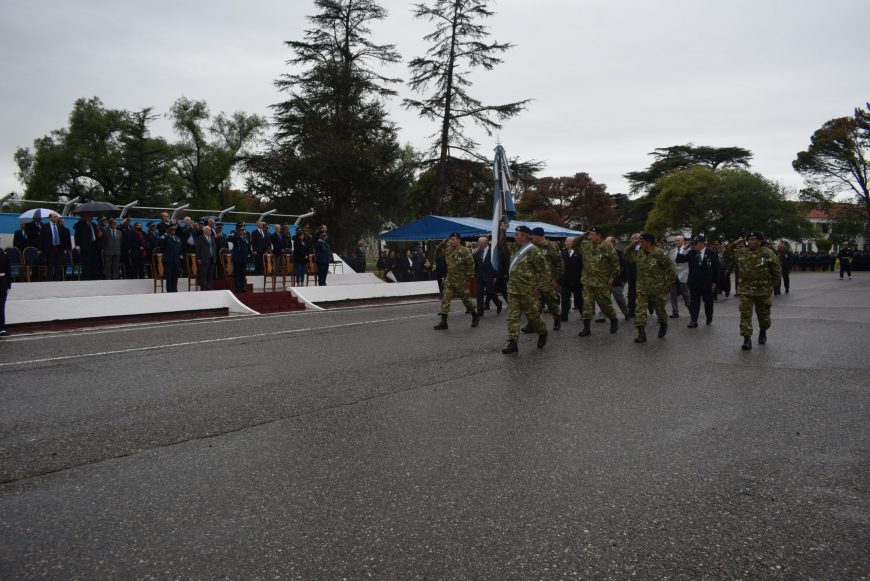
(553, 301)
(453, 289)
(762, 311)
(599, 295)
(644, 298)
(529, 305)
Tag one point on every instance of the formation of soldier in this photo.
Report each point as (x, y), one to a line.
(535, 269)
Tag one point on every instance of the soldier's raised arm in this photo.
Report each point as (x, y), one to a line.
(631, 251)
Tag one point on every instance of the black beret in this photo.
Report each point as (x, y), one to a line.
(538, 231)
(651, 238)
(523, 228)
(757, 234)
(455, 235)
(698, 238)
(597, 230)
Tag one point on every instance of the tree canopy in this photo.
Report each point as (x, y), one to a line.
(568, 201)
(677, 157)
(838, 158)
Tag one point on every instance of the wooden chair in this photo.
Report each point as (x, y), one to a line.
(311, 271)
(286, 268)
(226, 260)
(336, 264)
(269, 269)
(30, 258)
(192, 272)
(157, 270)
(16, 261)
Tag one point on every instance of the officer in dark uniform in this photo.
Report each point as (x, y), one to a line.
(241, 255)
(170, 246)
(703, 276)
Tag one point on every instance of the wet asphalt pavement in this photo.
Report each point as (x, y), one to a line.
(360, 443)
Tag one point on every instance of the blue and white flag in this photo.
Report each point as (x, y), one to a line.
(503, 209)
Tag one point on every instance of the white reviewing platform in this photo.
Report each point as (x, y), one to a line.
(314, 295)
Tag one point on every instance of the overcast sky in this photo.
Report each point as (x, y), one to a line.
(611, 81)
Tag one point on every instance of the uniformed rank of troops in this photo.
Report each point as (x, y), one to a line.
(460, 269)
(655, 275)
(759, 273)
(528, 273)
(535, 267)
(600, 269)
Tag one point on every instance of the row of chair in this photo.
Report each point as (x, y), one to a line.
(26, 264)
(274, 266)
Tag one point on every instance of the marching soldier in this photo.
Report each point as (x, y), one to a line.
(760, 273)
(549, 295)
(600, 269)
(460, 269)
(528, 273)
(655, 275)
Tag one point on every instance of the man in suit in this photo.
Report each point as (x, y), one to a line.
(323, 258)
(19, 239)
(163, 224)
(52, 247)
(703, 275)
(259, 245)
(171, 247)
(485, 276)
(571, 285)
(87, 239)
(112, 250)
(205, 257)
(34, 238)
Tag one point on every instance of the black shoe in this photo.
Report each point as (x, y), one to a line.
(3, 333)
(663, 330)
(498, 309)
(479, 313)
(641, 335)
(747, 343)
(511, 347)
(614, 325)
(557, 324)
(586, 330)
(542, 340)
(710, 321)
(601, 320)
(762, 337)
(442, 325)
(527, 329)
(693, 325)
(674, 316)
(475, 319)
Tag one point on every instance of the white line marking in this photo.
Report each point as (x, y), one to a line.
(204, 341)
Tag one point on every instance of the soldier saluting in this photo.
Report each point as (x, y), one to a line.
(528, 273)
(600, 269)
(460, 269)
(760, 273)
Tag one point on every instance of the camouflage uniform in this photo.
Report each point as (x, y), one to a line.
(600, 263)
(460, 269)
(655, 274)
(550, 296)
(758, 271)
(527, 273)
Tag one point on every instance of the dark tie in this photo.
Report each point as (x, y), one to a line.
(54, 239)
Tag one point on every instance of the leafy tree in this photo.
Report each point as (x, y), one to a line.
(206, 156)
(147, 161)
(838, 157)
(458, 45)
(570, 200)
(677, 157)
(724, 203)
(335, 149)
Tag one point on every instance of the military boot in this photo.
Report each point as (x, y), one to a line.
(527, 329)
(442, 325)
(511, 347)
(586, 330)
(747, 343)
(557, 323)
(614, 325)
(542, 340)
(762, 337)
(641, 335)
(475, 319)
(663, 330)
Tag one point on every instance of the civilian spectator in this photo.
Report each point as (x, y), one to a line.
(20, 239)
(52, 248)
(322, 257)
(680, 287)
(87, 239)
(301, 250)
(205, 257)
(138, 252)
(111, 251)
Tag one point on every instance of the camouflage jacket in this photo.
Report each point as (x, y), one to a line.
(600, 262)
(529, 272)
(553, 255)
(758, 270)
(655, 271)
(460, 263)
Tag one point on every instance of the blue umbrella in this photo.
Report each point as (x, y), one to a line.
(503, 209)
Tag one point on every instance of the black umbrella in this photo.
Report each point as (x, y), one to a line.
(100, 208)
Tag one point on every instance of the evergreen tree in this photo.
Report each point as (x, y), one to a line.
(458, 45)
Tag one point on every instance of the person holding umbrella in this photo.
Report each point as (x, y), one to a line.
(88, 243)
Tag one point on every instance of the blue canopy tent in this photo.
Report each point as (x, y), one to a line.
(440, 227)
